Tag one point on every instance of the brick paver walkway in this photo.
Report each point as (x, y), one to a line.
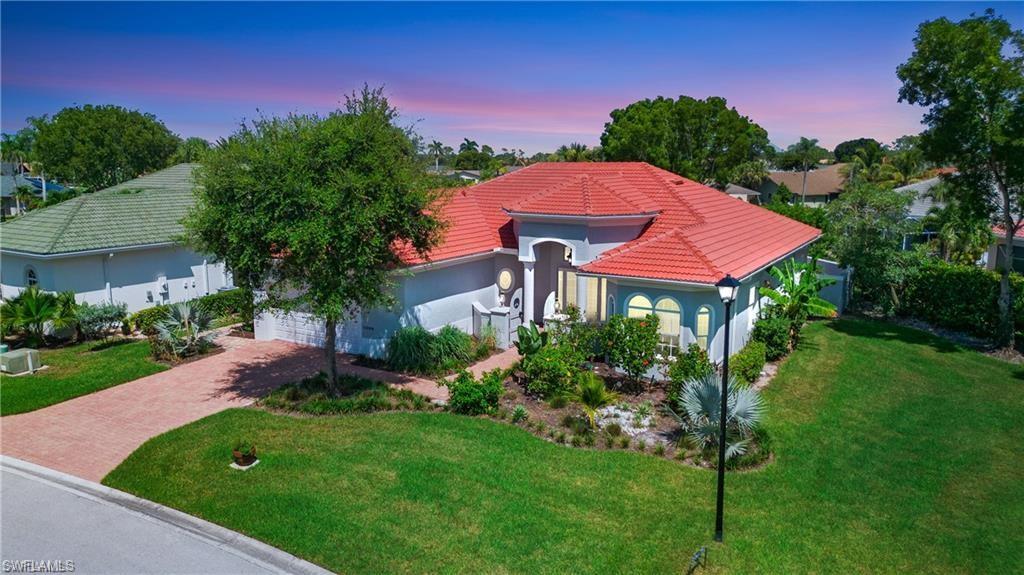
(90, 435)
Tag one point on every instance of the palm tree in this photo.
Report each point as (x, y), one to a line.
(699, 411)
(468, 145)
(804, 155)
(592, 395)
(34, 310)
(436, 149)
(24, 197)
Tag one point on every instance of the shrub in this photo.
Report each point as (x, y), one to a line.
(228, 302)
(686, 366)
(471, 397)
(145, 320)
(748, 362)
(486, 342)
(549, 372)
(630, 343)
(180, 333)
(411, 349)
(613, 429)
(774, 333)
(452, 349)
(960, 297)
(530, 340)
(519, 414)
(659, 449)
(558, 402)
(97, 320)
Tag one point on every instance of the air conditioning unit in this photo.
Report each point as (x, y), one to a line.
(20, 361)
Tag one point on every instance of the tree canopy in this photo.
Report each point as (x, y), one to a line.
(844, 151)
(704, 140)
(970, 76)
(99, 146)
(311, 209)
(804, 156)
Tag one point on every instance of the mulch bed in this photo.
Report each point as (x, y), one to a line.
(176, 362)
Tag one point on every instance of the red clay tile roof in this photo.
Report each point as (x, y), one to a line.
(698, 235)
(587, 195)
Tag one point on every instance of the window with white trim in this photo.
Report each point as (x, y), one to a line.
(31, 279)
(669, 326)
(702, 326)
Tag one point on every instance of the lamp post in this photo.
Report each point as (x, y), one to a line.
(727, 290)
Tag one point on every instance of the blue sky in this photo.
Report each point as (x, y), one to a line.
(530, 76)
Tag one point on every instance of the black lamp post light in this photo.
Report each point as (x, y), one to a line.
(728, 287)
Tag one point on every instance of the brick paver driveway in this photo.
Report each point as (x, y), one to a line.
(90, 435)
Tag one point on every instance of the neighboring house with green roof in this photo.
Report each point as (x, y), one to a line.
(121, 244)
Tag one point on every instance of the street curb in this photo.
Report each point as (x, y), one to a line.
(245, 547)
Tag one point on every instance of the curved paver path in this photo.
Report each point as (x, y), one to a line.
(90, 435)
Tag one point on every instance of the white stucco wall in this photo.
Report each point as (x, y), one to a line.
(431, 298)
(132, 275)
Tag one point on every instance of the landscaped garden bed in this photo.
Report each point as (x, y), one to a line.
(880, 433)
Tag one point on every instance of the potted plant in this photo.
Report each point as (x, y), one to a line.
(244, 454)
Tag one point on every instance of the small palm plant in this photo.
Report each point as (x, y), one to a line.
(33, 310)
(699, 412)
(181, 332)
(591, 394)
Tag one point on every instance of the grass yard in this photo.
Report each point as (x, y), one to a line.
(76, 370)
(895, 452)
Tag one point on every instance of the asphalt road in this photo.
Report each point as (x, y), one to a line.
(43, 520)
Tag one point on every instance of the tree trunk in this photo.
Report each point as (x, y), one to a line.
(803, 190)
(1005, 335)
(330, 359)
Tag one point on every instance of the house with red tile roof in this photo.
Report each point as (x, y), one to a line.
(609, 238)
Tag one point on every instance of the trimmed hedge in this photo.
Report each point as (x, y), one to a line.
(748, 362)
(960, 297)
(217, 304)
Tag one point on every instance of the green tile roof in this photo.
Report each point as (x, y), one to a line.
(146, 210)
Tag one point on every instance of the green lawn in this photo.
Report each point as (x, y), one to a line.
(76, 370)
(895, 453)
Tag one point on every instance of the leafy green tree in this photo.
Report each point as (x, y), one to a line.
(24, 198)
(190, 150)
(961, 234)
(18, 147)
(867, 224)
(468, 145)
(631, 343)
(805, 156)
(100, 146)
(317, 210)
(844, 151)
(970, 76)
(704, 140)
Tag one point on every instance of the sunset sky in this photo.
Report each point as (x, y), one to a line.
(530, 76)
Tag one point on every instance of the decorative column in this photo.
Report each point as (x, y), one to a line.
(528, 303)
(581, 295)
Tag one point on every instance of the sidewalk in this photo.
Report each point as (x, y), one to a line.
(51, 516)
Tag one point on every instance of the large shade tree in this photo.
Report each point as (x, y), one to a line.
(704, 140)
(316, 210)
(970, 76)
(99, 146)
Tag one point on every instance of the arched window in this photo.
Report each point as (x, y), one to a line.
(639, 306)
(30, 277)
(669, 324)
(702, 327)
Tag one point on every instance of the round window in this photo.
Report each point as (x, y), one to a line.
(505, 279)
